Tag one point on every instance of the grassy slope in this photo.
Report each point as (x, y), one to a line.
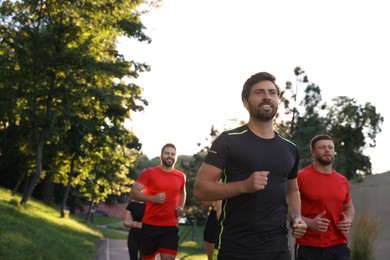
(37, 232)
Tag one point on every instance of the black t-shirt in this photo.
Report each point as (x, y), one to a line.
(210, 228)
(239, 153)
(137, 210)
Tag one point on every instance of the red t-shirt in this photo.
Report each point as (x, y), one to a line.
(323, 192)
(155, 181)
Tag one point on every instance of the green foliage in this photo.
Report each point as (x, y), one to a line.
(141, 163)
(365, 233)
(353, 126)
(67, 93)
(190, 166)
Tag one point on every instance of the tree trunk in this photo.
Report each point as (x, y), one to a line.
(38, 171)
(48, 189)
(70, 177)
(20, 180)
(25, 184)
(91, 206)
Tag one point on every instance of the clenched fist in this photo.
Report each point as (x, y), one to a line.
(298, 227)
(256, 181)
(159, 198)
(345, 224)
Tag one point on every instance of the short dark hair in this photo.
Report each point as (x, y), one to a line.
(319, 137)
(167, 145)
(254, 79)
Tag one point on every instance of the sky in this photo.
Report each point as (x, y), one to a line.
(202, 52)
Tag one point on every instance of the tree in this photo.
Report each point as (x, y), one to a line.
(61, 64)
(309, 121)
(353, 127)
(190, 166)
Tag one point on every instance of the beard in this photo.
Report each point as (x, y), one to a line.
(168, 162)
(260, 114)
(324, 161)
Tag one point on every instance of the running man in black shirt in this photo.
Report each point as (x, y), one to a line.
(258, 168)
(133, 219)
(210, 228)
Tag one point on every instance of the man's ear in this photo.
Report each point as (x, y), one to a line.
(245, 103)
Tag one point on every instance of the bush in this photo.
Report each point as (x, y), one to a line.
(364, 237)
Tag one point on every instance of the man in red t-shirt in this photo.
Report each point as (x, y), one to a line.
(163, 190)
(327, 207)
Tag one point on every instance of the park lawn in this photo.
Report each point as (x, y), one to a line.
(37, 232)
(190, 245)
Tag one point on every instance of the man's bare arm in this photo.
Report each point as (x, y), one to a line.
(207, 188)
(138, 194)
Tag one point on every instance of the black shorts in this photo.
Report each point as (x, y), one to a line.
(341, 252)
(210, 229)
(156, 239)
(267, 245)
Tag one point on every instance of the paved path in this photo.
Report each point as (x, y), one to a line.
(113, 249)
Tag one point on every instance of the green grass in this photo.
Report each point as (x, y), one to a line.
(108, 226)
(189, 249)
(37, 232)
